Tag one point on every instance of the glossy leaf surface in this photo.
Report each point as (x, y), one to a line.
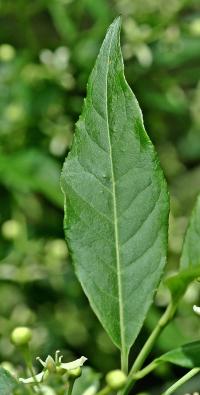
(116, 201)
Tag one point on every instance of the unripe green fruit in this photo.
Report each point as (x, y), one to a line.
(60, 370)
(195, 27)
(57, 248)
(75, 373)
(11, 229)
(116, 379)
(21, 336)
(7, 52)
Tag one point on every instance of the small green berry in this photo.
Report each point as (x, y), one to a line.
(116, 379)
(75, 373)
(57, 249)
(11, 229)
(195, 27)
(21, 336)
(60, 370)
(7, 52)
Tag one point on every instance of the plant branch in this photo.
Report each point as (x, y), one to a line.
(105, 391)
(148, 369)
(27, 357)
(70, 387)
(164, 320)
(124, 362)
(180, 382)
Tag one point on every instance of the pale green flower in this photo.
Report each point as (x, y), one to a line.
(196, 309)
(51, 365)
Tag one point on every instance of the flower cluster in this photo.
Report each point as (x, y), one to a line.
(55, 365)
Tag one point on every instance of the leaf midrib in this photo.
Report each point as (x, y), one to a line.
(115, 221)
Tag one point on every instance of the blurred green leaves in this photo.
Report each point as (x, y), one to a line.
(190, 257)
(32, 171)
(7, 382)
(88, 383)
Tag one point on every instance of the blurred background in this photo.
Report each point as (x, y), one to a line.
(47, 50)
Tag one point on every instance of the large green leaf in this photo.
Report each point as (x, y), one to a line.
(7, 382)
(191, 247)
(116, 201)
(187, 355)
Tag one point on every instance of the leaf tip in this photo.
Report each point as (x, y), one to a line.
(116, 24)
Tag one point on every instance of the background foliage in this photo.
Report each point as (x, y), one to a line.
(47, 51)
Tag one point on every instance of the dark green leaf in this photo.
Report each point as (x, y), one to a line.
(7, 382)
(187, 355)
(116, 201)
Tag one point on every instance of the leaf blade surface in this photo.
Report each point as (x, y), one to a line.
(116, 201)
(187, 356)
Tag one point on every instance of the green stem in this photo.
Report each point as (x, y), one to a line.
(164, 320)
(62, 22)
(27, 358)
(124, 362)
(105, 391)
(180, 382)
(70, 387)
(148, 369)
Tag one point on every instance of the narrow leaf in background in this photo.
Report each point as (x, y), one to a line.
(190, 258)
(187, 356)
(116, 201)
(191, 247)
(178, 284)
